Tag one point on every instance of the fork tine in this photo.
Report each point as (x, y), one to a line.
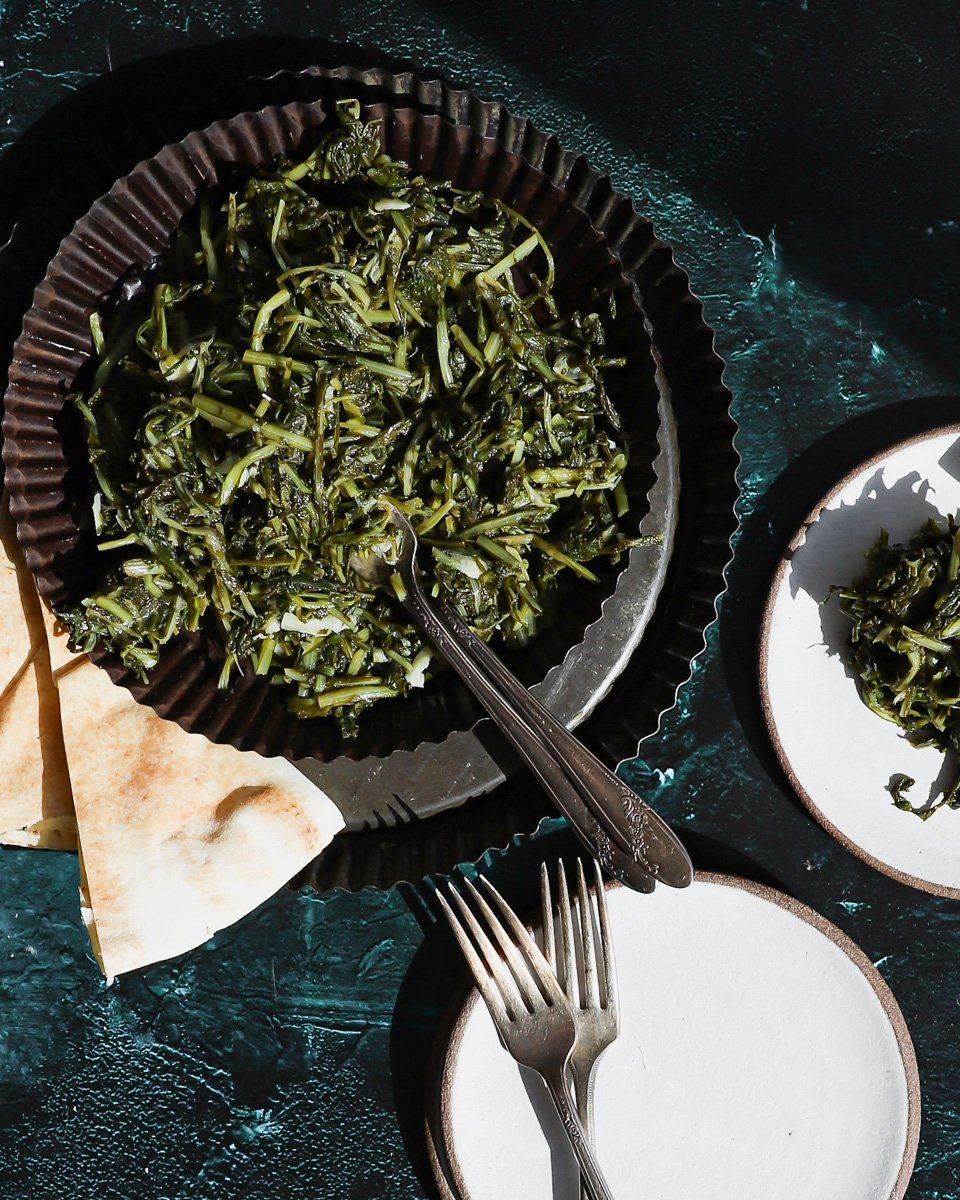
(567, 973)
(606, 942)
(492, 961)
(591, 984)
(546, 907)
(533, 956)
(492, 997)
(521, 971)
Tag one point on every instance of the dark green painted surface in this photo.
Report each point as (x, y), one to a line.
(803, 158)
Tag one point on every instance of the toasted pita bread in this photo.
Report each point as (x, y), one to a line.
(178, 837)
(36, 808)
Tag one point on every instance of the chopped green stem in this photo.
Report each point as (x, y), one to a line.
(904, 645)
(235, 420)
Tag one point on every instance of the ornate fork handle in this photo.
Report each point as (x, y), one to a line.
(652, 842)
(581, 1077)
(616, 857)
(635, 845)
(590, 1175)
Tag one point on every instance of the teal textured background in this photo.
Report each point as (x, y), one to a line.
(802, 157)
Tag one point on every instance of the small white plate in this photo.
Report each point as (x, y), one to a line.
(760, 1055)
(840, 756)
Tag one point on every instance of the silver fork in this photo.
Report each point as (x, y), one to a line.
(530, 1010)
(595, 1015)
(633, 843)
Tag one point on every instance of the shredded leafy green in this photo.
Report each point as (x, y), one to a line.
(905, 644)
(334, 332)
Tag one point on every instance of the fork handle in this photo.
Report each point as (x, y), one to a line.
(623, 814)
(628, 838)
(582, 1081)
(602, 843)
(590, 1173)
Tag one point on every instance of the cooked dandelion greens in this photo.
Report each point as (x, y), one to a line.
(905, 644)
(332, 333)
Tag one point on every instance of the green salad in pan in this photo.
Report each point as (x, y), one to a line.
(329, 334)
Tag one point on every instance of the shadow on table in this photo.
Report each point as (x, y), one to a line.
(159, 99)
(754, 115)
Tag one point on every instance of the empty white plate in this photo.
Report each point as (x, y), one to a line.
(761, 1055)
(840, 756)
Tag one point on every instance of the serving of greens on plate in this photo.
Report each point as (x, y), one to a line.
(321, 336)
(904, 644)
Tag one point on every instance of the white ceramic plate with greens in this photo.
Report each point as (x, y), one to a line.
(842, 758)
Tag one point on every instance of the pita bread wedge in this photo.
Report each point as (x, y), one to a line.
(36, 808)
(178, 837)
